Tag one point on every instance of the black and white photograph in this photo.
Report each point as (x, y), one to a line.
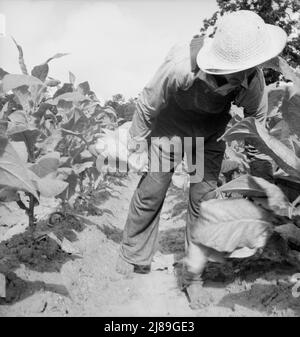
(149, 161)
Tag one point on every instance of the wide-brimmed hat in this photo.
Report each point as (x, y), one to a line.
(242, 41)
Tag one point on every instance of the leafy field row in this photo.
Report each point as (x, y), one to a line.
(46, 129)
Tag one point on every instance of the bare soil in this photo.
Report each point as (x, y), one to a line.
(42, 279)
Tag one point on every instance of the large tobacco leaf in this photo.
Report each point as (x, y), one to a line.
(69, 97)
(72, 179)
(13, 171)
(276, 95)
(252, 129)
(48, 186)
(72, 78)
(251, 186)
(56, 56)
(67, 87)
(285, 100)
(41, 71)
(291, 112)
(2, 73)
(13, 81)
(232, 225)
(288, 95)
(50, 143)
(46, 164)
(21, 58)
(8, 194)
(23, 96)
(83, 88)
(280, 65)
(21, 129)
(18, 122)
(75, 122)
(21, 149)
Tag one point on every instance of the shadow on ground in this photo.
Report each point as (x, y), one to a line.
(265, 298)
(49, 246)
(111, 232)
(43, 250)
(17, 289)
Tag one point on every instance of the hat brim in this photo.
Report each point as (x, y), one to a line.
(209, 62)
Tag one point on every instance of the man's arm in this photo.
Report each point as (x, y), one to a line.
(254, 100)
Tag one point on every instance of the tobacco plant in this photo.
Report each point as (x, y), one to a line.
(45, 132)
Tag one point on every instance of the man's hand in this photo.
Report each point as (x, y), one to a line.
(120, 146)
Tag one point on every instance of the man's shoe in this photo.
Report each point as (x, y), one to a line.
(142, 269)
(125, 268)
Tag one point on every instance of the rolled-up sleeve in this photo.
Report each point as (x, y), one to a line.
(155, 96)
(254, 100)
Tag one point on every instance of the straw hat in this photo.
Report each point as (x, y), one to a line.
(242, 40)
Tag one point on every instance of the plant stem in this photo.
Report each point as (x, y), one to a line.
(30, 210)
(69, 132)
(31, 213)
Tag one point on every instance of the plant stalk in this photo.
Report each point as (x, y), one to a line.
(31, 217)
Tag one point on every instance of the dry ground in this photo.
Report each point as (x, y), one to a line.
(45, 281)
